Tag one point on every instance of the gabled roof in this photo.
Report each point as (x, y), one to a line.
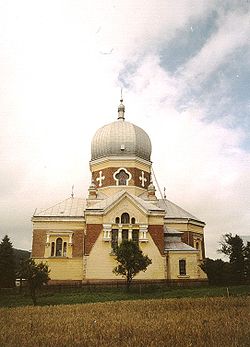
(178, 246)
(174, 211)
(71, 207)
(116, 198)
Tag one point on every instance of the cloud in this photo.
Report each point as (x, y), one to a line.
(62, 65)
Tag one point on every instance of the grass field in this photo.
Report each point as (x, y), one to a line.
(103, 294)
(164, 322)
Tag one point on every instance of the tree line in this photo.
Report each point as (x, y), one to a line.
(233, 272)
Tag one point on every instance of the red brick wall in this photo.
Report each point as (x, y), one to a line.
(77, 241)
(92, 233)
(156, 232)
(110, 181)
(38, 243)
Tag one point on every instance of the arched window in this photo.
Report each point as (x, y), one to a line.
(52, 249)
(59, 247)
(125, 218)
(117, 220)
(197, 245)
(182, 267)
(64, 249)
(122, 178)
(132, 220)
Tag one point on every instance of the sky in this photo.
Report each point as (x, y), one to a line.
(184, 67)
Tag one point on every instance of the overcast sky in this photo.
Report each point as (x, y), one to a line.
(184, 67)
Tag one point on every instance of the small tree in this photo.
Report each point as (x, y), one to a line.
(131, 260)
(233, 247)
(218, 271)
(35, 274)
(7, 264)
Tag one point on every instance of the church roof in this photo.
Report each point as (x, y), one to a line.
(178, 246)
(71, 207)
(174, 211)
(106, 203)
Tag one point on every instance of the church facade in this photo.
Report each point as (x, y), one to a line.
(77, 236)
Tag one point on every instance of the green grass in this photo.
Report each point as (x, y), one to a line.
(104, 294)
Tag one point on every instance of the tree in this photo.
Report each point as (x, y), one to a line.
(131, 260)
(247, 262)
(35, 274)
(7, 264)
(233, 247)
(218, 271)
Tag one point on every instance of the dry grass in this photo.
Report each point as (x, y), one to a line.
(168, 322)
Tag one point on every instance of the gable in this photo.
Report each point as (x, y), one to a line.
(126, 204)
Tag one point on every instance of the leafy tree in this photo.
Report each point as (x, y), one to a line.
(131, 260)
(247, 261)
(233, 247)
(218, 271)
(7, 264)
(35, 274)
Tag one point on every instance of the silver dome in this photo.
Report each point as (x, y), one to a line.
(120, 138)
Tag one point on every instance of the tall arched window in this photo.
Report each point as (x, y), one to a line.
(125, 218)
(114, 239)
(135, 236)
(182, 267)
(132, 220)
(59, 247)
(52, 249)
(117, 220)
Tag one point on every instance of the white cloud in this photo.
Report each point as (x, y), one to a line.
(59, 83)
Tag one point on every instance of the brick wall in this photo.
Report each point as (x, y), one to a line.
(156, 232)
(110, 181)
(77, 241)
(92, 233)
(38, 243)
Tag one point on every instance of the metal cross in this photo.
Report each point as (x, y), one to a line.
(142, 179)
(100, 178)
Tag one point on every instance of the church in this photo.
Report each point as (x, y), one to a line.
(77, 236)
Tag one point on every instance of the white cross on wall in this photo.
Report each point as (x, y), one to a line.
(100, 178)
(142, 179)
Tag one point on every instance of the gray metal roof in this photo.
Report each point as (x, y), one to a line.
(174, 211)
(71, 207)
(106, 203)
(178, 246)
(120, 138)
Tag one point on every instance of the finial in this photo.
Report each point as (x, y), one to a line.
(72, 191)
(121, 108)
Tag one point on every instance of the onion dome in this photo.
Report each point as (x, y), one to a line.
(121, 139)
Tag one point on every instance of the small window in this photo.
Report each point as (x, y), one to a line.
(59, 247)
(64, 249)
(135, 236)
(124, 234)
(117, 220)
(122, 178)
(52, 249)
(132, 220)
(197, 245)
(182, 267)
(125, 218)
(114, 239)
